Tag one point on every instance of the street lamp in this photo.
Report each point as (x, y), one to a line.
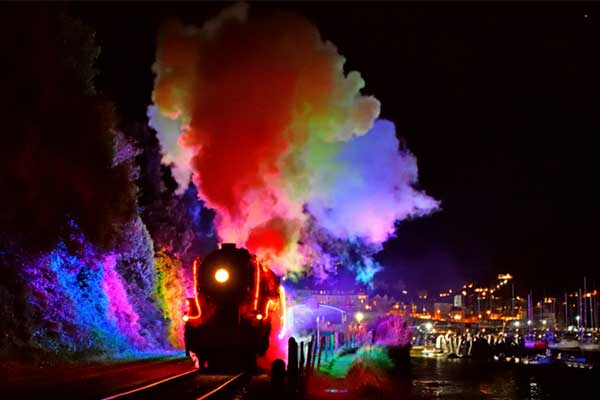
(359, 317)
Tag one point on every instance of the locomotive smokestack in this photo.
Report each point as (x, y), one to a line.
(228, 246)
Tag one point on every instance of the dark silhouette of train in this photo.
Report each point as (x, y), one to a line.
(230, 318)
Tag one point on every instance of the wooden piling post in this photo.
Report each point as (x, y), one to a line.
(315, 352)
(309, 356)
(292, 369)
(278, 376)
(320, 352)
(301, 369)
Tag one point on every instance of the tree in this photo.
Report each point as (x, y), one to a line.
(57, 144)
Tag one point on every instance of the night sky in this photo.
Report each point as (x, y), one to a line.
(500, 104)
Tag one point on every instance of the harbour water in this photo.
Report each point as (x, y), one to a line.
(465, 379)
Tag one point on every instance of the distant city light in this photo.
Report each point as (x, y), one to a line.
(544, 322)
(428, 326)
(517, 324)
(529, 322)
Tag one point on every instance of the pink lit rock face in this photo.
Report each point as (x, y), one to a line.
(120, 310)
(84, 301)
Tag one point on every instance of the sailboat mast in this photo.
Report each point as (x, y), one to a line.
(566, 311)
(584, 303)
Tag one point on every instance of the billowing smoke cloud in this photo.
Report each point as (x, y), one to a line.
(370, 187)
(260, 112)
(176, 155)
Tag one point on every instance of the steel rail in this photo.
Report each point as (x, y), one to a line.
(221, 387)
(206, 396)
(141, 388)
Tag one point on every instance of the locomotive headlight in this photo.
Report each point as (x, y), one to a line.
(221, 275)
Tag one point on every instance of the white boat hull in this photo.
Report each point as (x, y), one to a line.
(591, 347)
(565, 345)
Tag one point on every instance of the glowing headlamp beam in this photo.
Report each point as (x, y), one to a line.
(195, 272)
(257, 283)
(267, 308)
(282, 301)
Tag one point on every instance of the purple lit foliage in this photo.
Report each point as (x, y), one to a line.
(178, 224)
(89, 204)
(392, 330)
(332, 256)
(135, 263)
(68, 307)
(80, 303)
(57, 146)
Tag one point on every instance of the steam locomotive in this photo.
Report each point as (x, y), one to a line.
(237, 302)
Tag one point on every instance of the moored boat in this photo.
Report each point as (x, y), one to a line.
(535, 343)
(591, 347)
(537, 360)
(565, 344)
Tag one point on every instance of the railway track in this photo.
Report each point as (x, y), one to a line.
(187, 386)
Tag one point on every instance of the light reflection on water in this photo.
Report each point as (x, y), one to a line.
(467, 379)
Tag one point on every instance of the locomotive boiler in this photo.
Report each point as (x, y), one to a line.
(237, 303)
